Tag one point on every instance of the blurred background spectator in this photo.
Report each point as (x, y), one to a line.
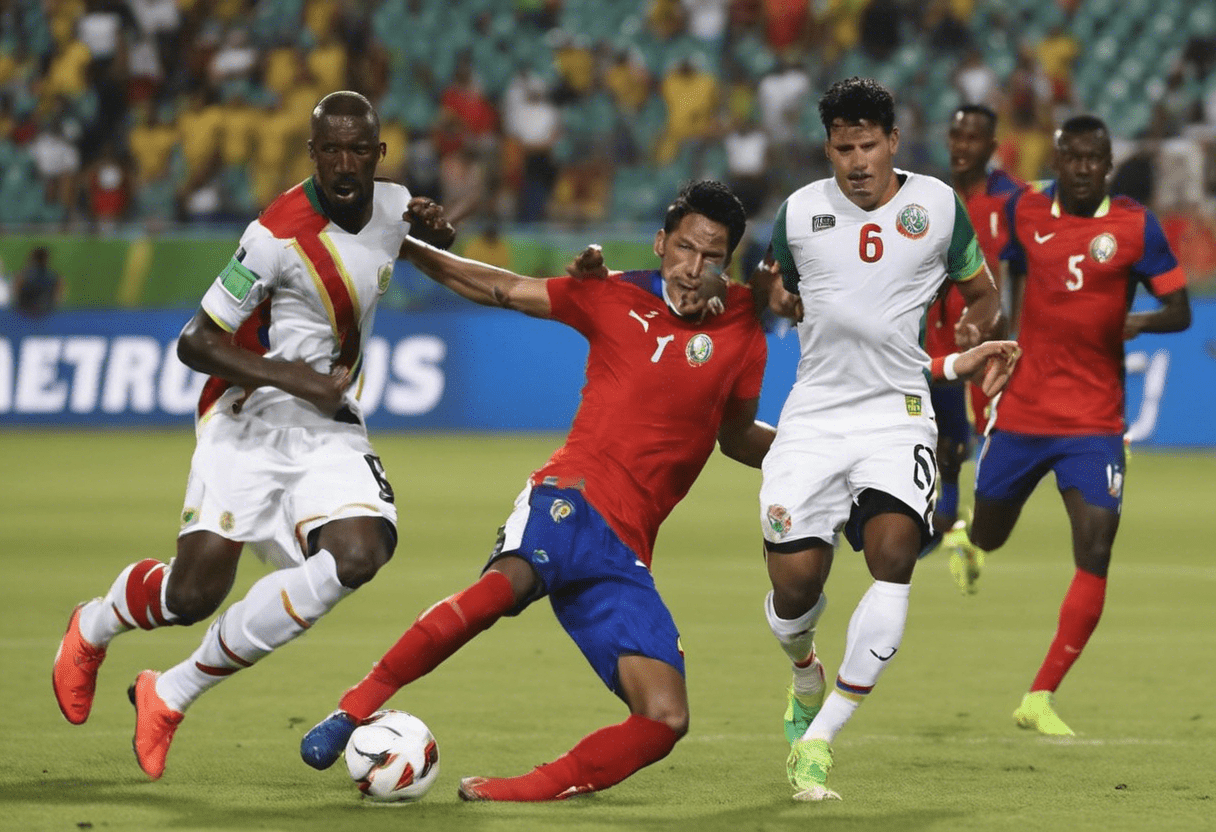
(37, 288)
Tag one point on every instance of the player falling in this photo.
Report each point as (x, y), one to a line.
(1083, 254)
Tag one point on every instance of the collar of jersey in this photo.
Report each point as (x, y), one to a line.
(1103, 206)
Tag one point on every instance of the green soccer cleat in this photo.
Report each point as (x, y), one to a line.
(966, 559)
(800, 710)
(808, 766)
(1038, 711)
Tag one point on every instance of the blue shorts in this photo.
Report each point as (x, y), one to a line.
(950, 408)
(601, 592)
(1011, 465)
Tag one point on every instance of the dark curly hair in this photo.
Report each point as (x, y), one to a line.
(855, 100)
(714, 201)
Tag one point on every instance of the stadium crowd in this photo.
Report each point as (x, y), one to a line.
(566, 111)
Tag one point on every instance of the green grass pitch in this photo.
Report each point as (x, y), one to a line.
(934, 748)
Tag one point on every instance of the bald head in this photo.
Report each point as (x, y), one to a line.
(345, 104)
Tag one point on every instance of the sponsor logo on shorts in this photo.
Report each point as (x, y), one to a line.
(914, 406)
(189, 515)
(699, 350)
(560, 510)
(779, 520)
(913, 221)
(822, 222)
(540, 556)
(1103, 247)
(227, 521)
(384, 277)
(1114, 481)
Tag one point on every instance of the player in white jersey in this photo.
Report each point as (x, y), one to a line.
(865, 252)
(283, 461)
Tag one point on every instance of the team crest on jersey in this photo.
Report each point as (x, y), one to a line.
(779, 520)
(1103, 247)
(912, 221)
(540, 556)
(560, 510)
(189, 515)
(822, 222)
(384, 277)
(699, 350)
(227, 521)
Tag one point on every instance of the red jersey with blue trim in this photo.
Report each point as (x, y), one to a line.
(1081, 276)
(657, 386)
(986, 208)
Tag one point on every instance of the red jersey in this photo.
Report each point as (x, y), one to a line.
(1081, 276)
(986, 208)
(657, 386)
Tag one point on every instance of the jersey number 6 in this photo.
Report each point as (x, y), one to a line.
(869, 247)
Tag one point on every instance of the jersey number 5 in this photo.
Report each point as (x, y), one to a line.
(869, 247)
(1077, 279)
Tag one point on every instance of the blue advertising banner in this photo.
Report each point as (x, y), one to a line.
(480, 369)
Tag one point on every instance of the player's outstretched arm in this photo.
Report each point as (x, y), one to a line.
(741, 437)
(207, 347)
(428, 222)
(487, 285)
(1174, 315)
(588, 264)
(989, 365)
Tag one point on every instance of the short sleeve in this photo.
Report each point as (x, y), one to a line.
(572, 301)
(964, 259)
(782, 253)
(247, 279)
(1013, 253)
(751, 380)
(1158, 267)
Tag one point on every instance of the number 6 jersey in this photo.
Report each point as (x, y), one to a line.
(866, 279)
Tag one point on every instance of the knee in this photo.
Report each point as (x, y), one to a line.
(673, 715)
(194, 602)
(793, 599)
(357, 564)
(1094, 559)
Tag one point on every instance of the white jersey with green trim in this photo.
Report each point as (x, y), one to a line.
(866, 279)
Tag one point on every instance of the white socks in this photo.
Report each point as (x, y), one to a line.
(874, 635)
(797, 638)
(276, 609)
(136, 599)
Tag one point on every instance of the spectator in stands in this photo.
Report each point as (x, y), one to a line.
(37, 289)
(747, 162)
(534, 123)
(1025, 149)
(783, 95)
(691, 94)
(879, 28)
(56, 156)
(488, 246)
(976, 82)
(107, 188)
(1057, 53)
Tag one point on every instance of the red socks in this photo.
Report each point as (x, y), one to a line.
(601, 759)
(437, 634)
(1079, 616)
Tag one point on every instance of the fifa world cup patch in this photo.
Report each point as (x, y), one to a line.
(779, 520)
(235, 278)
(700, 349)
(913, 404)
(560, 510)
(1103, 247)
(912, 221)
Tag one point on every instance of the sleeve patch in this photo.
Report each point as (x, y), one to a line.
(236, 279)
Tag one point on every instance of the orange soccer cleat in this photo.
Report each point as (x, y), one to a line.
(74, 677)
(155, 723)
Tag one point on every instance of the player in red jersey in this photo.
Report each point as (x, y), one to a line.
(676, 363)
(972, 141)
(1083, 255)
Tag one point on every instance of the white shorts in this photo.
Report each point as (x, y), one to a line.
(813, 477)
(269, 486)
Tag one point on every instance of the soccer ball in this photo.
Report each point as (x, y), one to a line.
(392, 757)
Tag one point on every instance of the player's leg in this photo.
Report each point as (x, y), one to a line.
(1091, 481)
(793, 609)
(147, 594)
(507, 585)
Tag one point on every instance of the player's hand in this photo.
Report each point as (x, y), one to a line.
(1131, 327)
(428, 222)
(588, 264)
(966, 336)
(326, 392)
(771, 294)
(989, 365)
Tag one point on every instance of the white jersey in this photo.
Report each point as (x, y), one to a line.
(301, 288)
(866, 279)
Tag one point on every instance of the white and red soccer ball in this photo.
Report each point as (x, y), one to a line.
(392, 757)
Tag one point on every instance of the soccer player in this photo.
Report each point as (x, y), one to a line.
(972, 141)
(866, 250)
(1083, 255)
(283, 461)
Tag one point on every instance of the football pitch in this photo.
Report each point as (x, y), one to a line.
(934, 748)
